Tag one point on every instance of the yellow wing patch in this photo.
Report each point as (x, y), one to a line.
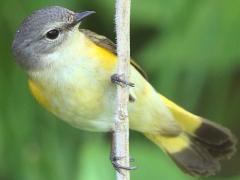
(106, 49)
(108, 59)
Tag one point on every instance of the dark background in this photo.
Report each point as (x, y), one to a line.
(191, 52)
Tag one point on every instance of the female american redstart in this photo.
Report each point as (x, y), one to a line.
(69, 72)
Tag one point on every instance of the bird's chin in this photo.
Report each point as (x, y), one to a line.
(27, 63)
(35, 63)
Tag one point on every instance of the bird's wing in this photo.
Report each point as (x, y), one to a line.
(106, 43)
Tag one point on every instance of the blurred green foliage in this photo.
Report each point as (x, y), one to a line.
(191, 51)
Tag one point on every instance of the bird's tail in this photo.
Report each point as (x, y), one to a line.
(201, 145)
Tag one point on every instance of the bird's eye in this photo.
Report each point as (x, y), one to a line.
(53, 34)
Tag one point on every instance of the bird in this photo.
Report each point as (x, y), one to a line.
(70, 72)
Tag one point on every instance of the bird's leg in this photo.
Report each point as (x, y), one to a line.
(114, 159)
(117, 79)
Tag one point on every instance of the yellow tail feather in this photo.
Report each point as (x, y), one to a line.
(188, 121)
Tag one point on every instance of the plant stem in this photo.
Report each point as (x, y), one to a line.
(121, 133)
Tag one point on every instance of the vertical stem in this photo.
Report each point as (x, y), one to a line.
(121, 134)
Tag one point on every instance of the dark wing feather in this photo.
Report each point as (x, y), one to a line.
(106, 43)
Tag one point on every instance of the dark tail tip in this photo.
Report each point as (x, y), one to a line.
(210, 143)
(218, 140)
(196, 161)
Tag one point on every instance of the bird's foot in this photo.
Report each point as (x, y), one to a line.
(118, 167)
(117, 79)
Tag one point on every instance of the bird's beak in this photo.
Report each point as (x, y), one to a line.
(78, 17)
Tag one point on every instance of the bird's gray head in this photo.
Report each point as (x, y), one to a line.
(42, 32)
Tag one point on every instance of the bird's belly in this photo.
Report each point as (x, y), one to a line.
(84, 108)
(88, 110)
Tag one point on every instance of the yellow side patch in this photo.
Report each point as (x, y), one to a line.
(188, 121)
(170, 144)
(37, 93)
(107, 58)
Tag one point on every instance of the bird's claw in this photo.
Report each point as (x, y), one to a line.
(117, 79)
(118, 167)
